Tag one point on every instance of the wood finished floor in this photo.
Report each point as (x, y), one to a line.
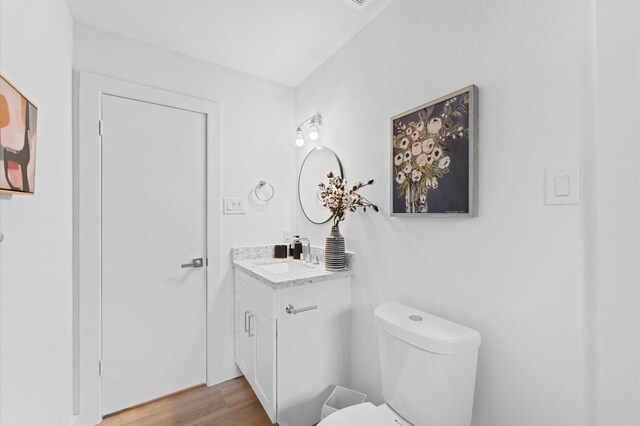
(231, 403)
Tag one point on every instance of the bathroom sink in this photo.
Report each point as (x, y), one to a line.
(281, 273)
(285, 266)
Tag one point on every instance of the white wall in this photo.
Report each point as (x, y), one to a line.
(616, 153)
(35, 257)
(257, 123)
(518, 272)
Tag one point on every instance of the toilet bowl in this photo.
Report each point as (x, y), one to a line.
(428, 367)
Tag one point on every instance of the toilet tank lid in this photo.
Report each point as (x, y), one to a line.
(424, 330)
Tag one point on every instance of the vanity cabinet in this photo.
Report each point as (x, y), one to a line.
(244, 341)
(255, 344)
(293, 360)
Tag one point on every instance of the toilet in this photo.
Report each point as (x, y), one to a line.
(428, 372)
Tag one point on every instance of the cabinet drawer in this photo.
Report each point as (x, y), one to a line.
(261, 294)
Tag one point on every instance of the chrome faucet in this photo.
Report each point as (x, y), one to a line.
(302, 240)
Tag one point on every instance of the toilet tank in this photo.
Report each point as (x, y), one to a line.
(428, 366)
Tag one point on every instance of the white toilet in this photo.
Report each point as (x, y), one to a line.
(428, 372)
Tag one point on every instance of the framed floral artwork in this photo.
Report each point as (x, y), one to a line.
(18, 136)
(434, 157)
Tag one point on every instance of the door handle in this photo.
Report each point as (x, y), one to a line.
(195, 263)
(249, 331)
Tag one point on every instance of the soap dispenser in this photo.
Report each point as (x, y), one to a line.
(295, 248)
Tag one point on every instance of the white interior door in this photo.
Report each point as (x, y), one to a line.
(153, 220)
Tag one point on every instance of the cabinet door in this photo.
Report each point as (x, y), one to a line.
(244, 342)
(314, 348)
(263, 330)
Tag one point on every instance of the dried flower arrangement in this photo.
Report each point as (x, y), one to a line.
(340, 198)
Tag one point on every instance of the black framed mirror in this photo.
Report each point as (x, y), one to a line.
(318, 162)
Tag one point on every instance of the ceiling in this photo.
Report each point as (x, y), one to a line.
(280, 40)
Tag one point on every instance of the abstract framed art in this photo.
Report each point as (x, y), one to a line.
(18, 137)
(434, 157)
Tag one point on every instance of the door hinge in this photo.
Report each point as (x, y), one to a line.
(100, 368)
(101, 127)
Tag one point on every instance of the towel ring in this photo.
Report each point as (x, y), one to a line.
(261, 185)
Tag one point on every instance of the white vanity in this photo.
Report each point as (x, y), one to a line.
(292, 332)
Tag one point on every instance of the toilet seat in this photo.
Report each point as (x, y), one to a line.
(365, 414)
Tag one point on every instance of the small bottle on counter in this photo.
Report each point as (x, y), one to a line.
(295, 248)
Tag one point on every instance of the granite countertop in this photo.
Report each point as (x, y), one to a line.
(253, 260)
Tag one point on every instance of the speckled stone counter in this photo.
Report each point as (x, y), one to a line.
(252, 259)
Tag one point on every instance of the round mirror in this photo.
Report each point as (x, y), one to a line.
(314, 169)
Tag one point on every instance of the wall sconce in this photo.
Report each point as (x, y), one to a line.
(299, 137)
(309, 128)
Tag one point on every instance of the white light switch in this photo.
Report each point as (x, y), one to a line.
(562, 185)
(234, 206)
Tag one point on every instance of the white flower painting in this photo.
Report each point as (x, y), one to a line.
(433, 151)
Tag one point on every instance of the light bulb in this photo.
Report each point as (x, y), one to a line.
(299, 138)
(314, 131)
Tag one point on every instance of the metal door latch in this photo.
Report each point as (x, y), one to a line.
(195, 263)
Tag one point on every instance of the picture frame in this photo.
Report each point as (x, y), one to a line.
(434, 158)
(18, 140)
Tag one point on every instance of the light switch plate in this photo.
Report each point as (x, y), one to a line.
(234, 206)
(562, 185)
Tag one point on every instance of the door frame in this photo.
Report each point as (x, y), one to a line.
(87, 209)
